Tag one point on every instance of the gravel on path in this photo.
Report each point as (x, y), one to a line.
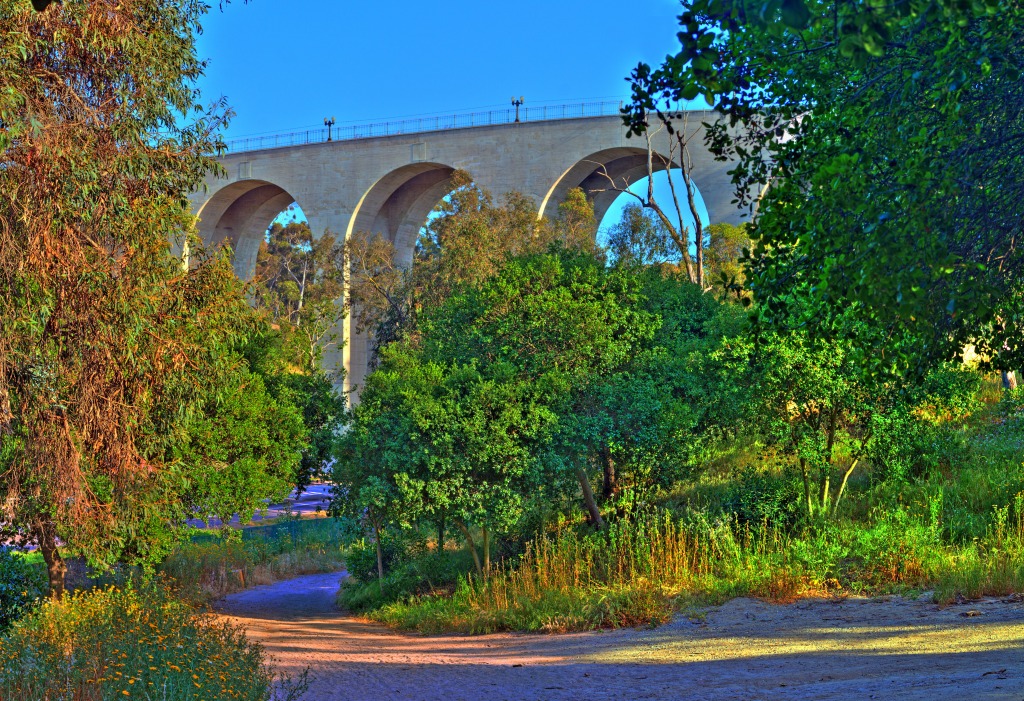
(745, 650)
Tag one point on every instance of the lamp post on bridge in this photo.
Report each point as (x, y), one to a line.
(516, 103)
(328, 123)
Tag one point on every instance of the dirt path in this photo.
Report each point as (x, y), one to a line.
(746, 650)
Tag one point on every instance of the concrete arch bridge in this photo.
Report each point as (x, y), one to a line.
(387, 178)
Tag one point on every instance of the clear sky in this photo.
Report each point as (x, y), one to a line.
(284, 64)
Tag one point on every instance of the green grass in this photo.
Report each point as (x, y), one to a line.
(213, 563)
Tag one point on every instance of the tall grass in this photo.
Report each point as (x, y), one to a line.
(953, 525)
(642, 571)
(636, 572)
(213, 564)
(138, 642)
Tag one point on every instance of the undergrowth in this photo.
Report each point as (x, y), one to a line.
(212, 564)
(955, 528)
(138, 642)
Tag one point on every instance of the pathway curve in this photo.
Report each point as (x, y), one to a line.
(745, 650)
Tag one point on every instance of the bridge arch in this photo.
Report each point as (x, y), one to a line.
(622, 164)
(239, 215)
(397, 205)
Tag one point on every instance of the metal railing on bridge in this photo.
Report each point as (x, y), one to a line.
(418, 125)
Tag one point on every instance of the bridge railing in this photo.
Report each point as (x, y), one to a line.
(426, 124)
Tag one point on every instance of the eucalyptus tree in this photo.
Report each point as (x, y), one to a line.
(110, 348)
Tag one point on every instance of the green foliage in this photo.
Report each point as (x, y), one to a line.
(867, 120)
(298, 281)
(459, 423)
(758, 496)
(311, 392)
(215, 564)
(409, 574)
(906, 440)
(22, 585)
(639, 238)
(134, 642)
(246, 445)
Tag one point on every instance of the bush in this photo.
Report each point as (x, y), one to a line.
(361, 558)
(757, 497)
(425, 572)
(899, 447)
(22, 586)
(137, 642)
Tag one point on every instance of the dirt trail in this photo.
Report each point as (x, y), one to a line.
(746, 650)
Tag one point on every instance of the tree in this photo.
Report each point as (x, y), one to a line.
(727, 246)
(890, 137)
(672, 218)
(467, 239)
(298, 282)
(639, 238)
(109, 346)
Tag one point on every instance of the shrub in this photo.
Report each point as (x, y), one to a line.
(22, 585)
(899, 445)
(425, 572)
(137, 642)
(757, 497)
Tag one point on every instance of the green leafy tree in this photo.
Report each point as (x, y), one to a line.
(298, 282)
(243, 442)
(727, 246)
(639, 238)
(467, 239)
(889, 136)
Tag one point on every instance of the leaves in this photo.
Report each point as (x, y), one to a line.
(889, 136)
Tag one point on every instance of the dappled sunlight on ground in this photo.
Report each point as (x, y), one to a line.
(744, 650)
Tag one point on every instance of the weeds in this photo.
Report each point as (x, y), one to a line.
(214, 564)
(138, 642)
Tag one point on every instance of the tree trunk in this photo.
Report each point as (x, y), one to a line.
(487, 551)
(807, 487)
(1009, 379)
(302, 295)
(440, 533)
(842, 487)
(588, 498)
(610, 486)
(472, 546)
(380, 558)
(55, 566)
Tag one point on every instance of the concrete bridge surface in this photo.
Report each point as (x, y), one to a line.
(387, 178)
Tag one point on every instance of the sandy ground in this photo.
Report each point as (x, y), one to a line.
(746, 650)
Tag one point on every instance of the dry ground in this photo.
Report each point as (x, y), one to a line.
(745, 650)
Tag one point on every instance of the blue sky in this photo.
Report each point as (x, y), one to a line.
(284, 65)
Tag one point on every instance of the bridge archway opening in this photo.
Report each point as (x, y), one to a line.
(399, 204)
(239, 214)
(603, 175)
(612, 216)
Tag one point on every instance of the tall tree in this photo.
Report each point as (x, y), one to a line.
(298, 283)
(108, 344)
(467, 239)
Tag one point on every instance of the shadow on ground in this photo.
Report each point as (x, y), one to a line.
(746, 650)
